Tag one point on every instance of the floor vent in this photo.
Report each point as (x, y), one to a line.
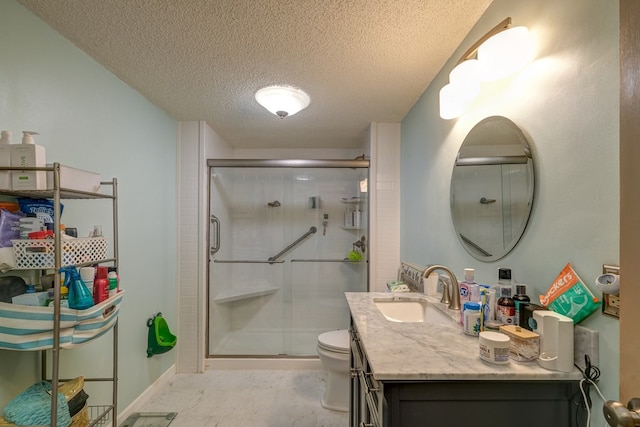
(149, 419)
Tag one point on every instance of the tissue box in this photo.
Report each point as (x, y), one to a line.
(36, 298)
(75, 179)
(525, 344)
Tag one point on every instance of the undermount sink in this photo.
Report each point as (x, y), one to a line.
(410, 310)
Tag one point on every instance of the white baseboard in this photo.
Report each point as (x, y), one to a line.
(312, 364)
(146, 395)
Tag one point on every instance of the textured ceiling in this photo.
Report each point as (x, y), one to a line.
(359, 60)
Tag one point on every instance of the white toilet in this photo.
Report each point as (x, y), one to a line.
(333, 349)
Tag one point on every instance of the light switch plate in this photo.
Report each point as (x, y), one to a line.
(585, 341)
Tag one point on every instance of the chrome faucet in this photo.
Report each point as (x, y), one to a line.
(454, 303)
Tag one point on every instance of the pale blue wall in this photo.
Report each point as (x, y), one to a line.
(91, 120)
(566, 101)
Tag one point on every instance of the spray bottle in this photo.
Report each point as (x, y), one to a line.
(79, 296)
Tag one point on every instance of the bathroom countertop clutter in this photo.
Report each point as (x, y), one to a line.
(427, 350)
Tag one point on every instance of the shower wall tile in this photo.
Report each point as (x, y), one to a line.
(187, 358)
(385, 158)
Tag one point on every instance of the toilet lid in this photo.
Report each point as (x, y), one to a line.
(337, 341)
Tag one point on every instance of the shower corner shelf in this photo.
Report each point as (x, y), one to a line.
(238, 294)
(354, 199)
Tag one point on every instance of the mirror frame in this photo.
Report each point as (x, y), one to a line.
(524, 156)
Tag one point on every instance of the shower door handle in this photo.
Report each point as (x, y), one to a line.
(215, 246)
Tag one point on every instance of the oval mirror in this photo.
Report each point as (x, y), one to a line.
(492, 188)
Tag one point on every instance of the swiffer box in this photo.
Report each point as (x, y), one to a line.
(75, 179)
(36, 299)
(28, 155)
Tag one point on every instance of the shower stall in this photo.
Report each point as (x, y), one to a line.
(287, 239)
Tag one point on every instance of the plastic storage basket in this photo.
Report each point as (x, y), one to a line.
(37, 254)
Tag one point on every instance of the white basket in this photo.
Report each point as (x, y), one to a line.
(41, 253)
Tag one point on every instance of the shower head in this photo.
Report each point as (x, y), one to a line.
(273, 204)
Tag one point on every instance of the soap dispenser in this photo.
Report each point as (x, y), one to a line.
(28, 154)
(556, 340)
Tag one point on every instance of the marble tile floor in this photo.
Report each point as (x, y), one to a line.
(239, 398)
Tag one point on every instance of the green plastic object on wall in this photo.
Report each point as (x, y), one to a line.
(160, 339)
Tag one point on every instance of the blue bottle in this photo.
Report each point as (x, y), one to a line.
(79, 296)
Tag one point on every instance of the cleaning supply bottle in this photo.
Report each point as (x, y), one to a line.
(112, 276)
(88, 275)
(101, 285)
(520, 298)
(64, 297)
(79, 296)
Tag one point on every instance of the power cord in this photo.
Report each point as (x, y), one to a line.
(590, 375)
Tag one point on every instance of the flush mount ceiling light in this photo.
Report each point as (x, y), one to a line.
(282, 101)
(501, 52)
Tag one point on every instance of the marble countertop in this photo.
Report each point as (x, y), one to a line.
(431, 351)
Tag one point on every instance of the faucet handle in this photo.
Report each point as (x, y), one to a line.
(446, 299)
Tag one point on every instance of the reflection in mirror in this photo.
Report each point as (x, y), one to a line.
(492, 188)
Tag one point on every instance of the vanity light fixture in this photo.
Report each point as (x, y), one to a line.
(282, 101)
(496, 55)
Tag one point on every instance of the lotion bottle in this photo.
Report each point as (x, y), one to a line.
(28, 154)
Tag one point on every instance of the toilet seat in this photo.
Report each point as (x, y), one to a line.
(335, 341)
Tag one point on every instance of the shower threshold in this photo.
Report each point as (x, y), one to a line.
(263, 363)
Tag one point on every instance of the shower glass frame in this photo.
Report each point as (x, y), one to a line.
(272, 292)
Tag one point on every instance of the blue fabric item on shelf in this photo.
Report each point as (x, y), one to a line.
(43, 208)
(33, 407)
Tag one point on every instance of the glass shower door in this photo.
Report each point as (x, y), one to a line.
(279, 264)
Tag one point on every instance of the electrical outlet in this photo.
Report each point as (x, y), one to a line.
(611, 302)
(585, 342)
